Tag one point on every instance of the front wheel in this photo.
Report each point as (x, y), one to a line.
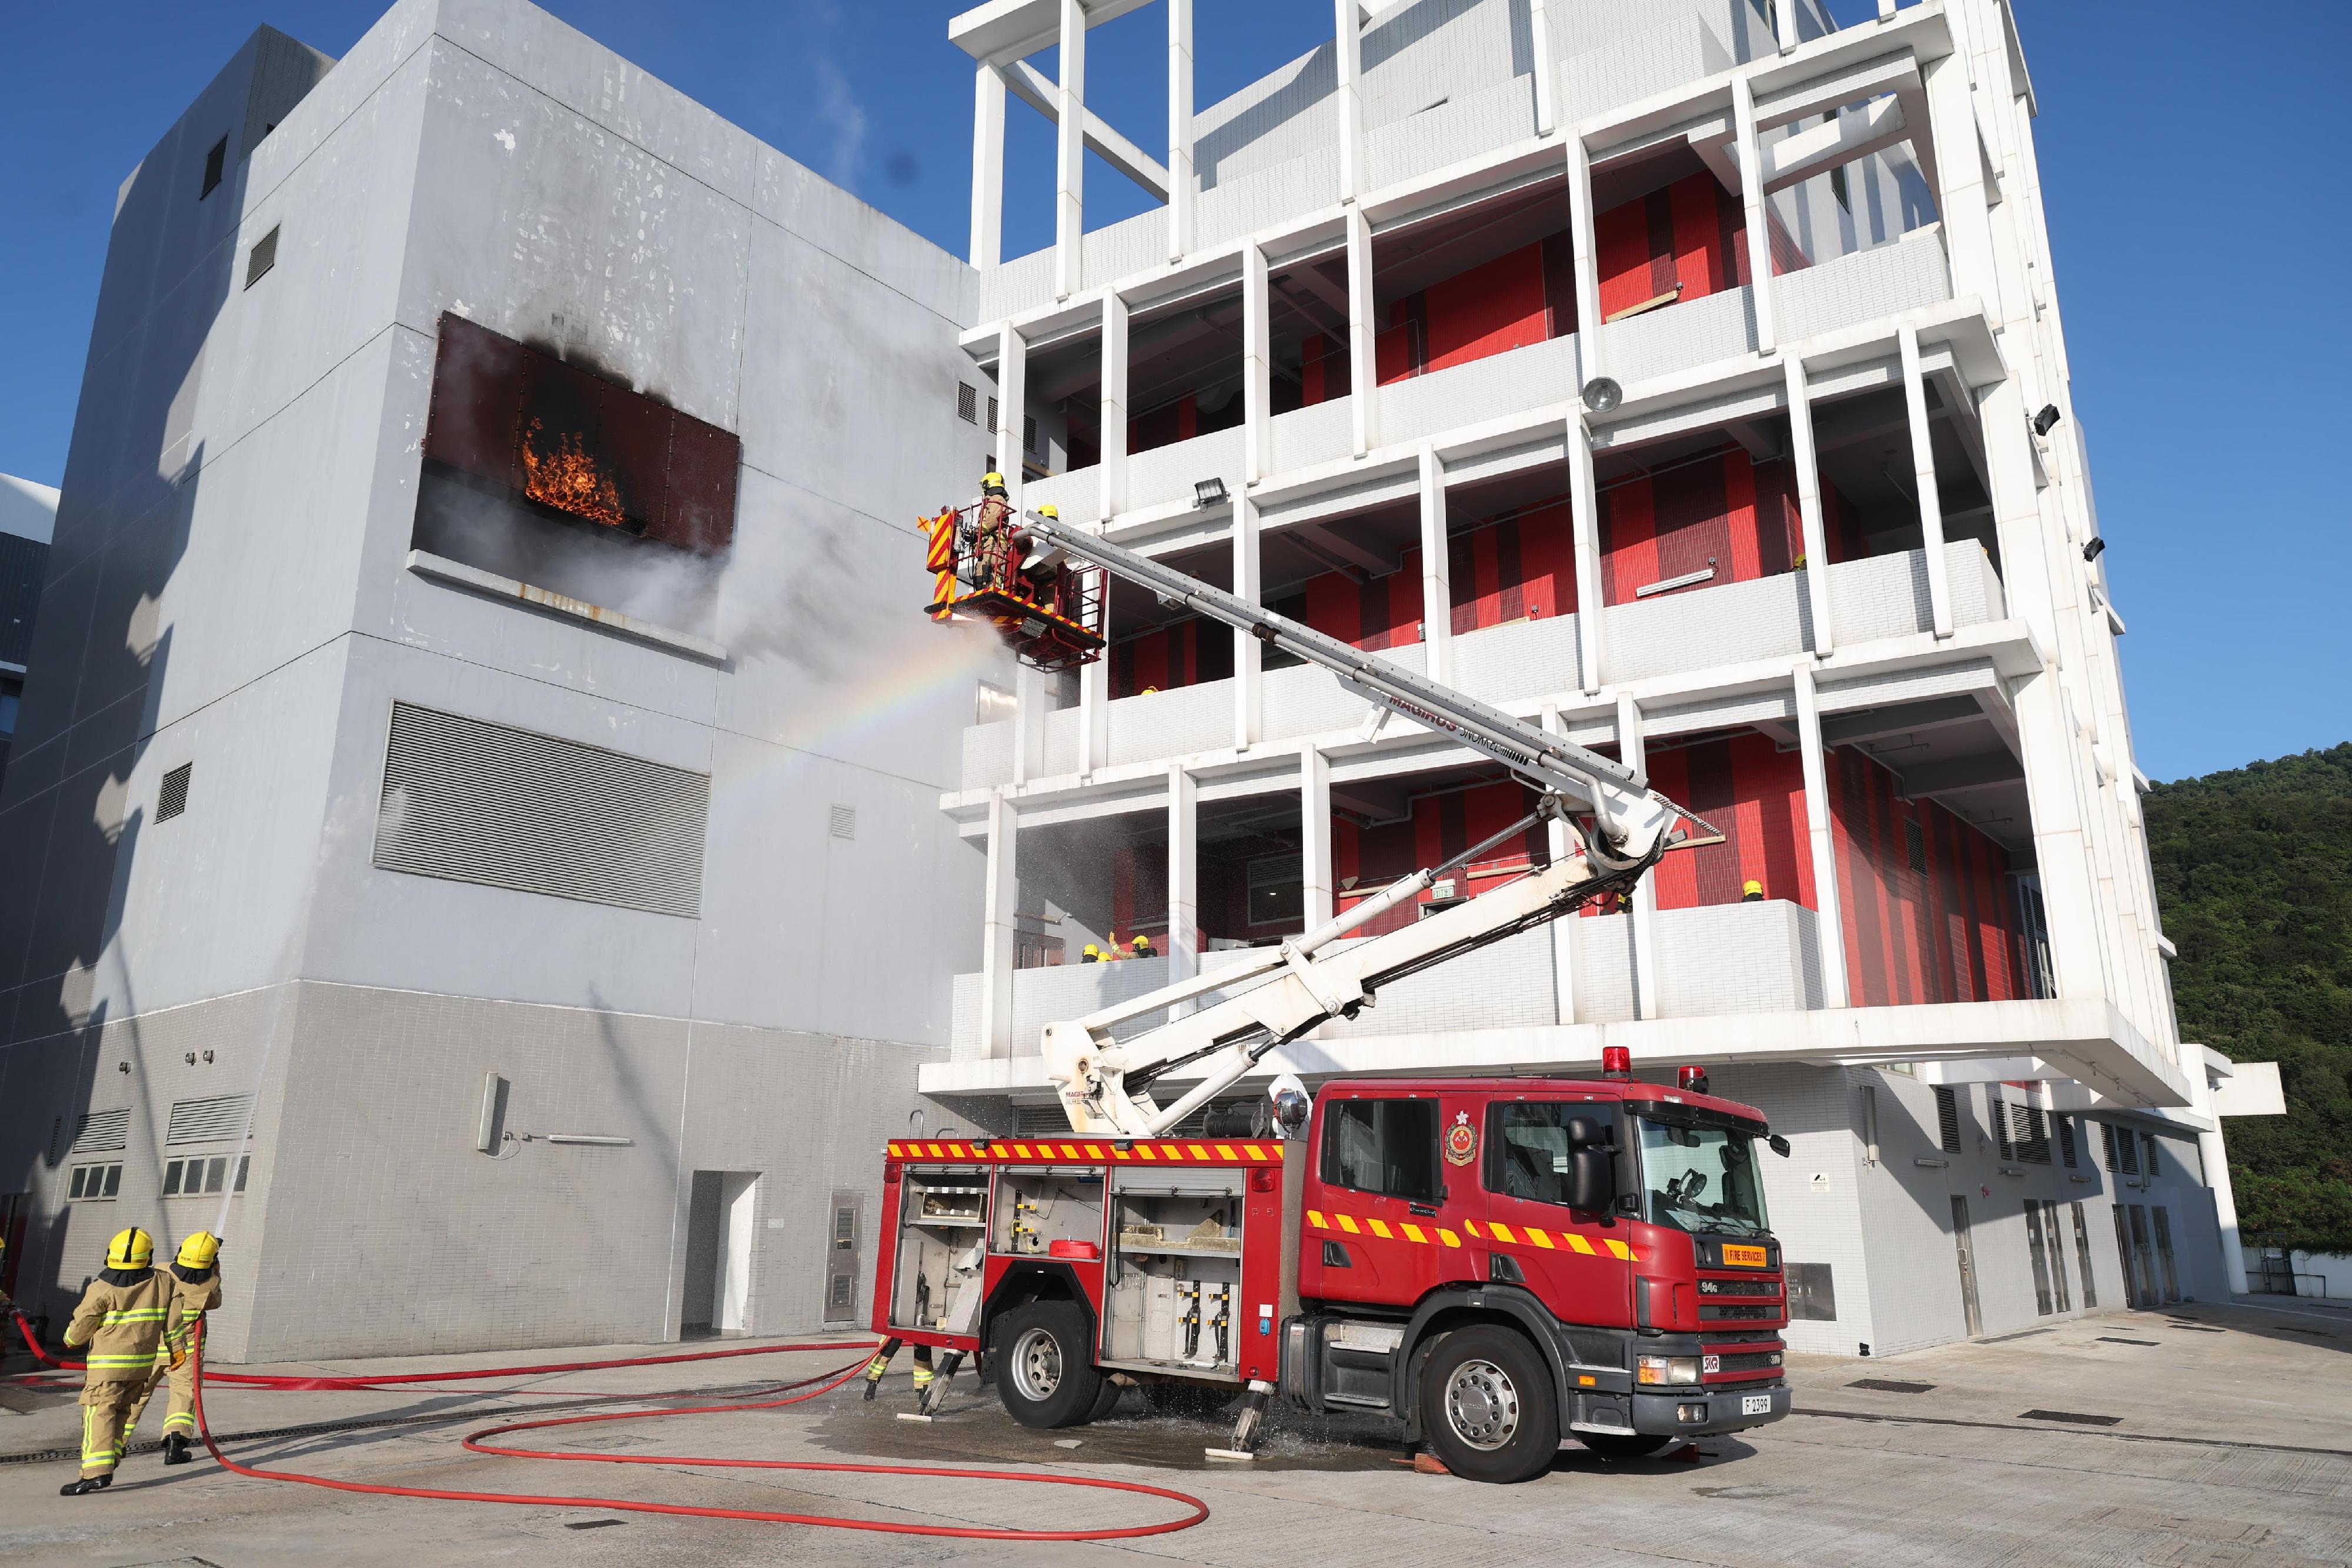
(1044, 1364)
(1487, 1403)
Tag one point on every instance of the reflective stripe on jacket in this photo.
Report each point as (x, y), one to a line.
(123, 1326)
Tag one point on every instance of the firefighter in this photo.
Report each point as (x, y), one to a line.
(1142, 946)
(122, 1319)
(1092, 954)
(992, 530)
(922, 1373)
(194, 1278)
(1751, 892)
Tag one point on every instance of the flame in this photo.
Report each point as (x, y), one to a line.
(570, 480)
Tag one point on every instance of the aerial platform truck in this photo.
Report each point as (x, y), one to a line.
(1488, 1264)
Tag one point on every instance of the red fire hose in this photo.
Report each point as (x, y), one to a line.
(823, 1382)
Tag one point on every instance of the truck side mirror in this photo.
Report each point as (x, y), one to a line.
(1592, 1178)
(1583, 1132)
(1780, 1145)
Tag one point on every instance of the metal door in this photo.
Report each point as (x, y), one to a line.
(2144, 1265)
(2164, 1254)
(1967, 1264)
(2123, 1258)
(2083, 1257)
(844, 1256)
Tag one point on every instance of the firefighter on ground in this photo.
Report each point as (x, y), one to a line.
(993, 532)
(194, 1278)
(122, 1319)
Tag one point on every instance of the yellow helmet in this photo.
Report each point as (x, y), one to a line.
(1049, 510)
(1752, 888)
(992, 480)
(1092, 952)
(199, 1251)
(1140, 940)
(132, 1248)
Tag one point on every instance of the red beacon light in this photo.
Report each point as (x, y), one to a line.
(1693, 1078)
(1617, 1061)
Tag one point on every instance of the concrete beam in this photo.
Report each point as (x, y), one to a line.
(1039, 91)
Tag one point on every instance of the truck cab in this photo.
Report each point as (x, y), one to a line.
(1500, 1262)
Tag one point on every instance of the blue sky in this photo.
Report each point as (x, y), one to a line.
(2191, 163)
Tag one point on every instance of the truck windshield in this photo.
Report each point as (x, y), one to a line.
(1700, 1178)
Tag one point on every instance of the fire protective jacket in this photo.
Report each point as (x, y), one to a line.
(194, 1293)
(122, 1319)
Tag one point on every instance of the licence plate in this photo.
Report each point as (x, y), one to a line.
(1745, 1257)
(1756, 1405)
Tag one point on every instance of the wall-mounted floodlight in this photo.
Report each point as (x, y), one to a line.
(1600, 394)
(2096, 549)
(2047, 420)
(1208, 492)
(490, 1131)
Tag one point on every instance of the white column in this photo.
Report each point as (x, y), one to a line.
(1070, 153)
(1645, 892)
(1113, 462)
(1584, 526)
(2213, 1153)
(987, 166)
(1012, 399)
(1347, 35)
(1314, 834)
(1961, 199)
(1784, 23)
(1249, 683)
(1000, 895)
(1180, 129)
(1539, 34)
(1257, 367)
(1436, 570)
(1923, 469)
(1183, 876)
(1363, 374)
(1562, 843)
(1094, 715)
(1886, 10)
(1585, 258)
(1829, 910)
(1029, 710)
(1809, 503)
(1752, 196)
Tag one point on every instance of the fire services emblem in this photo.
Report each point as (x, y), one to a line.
(1461, 1140)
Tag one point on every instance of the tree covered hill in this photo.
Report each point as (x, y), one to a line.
(2253, 879)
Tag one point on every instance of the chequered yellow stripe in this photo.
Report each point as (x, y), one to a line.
(1225, 1152)
(1495, 1232)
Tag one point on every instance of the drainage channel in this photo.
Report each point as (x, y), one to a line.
(2018, 1427)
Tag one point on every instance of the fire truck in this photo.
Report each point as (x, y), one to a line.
(1491, 1264)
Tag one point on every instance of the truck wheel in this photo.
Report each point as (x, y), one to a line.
(1044, 1368)
(1106, 1402)
(1487, 1403)
(1623, 1445)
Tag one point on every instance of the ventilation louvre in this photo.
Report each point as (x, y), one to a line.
(1916, 842)
(215, 1120)
(263, 256)
(470, 801)
(844, 822)
(1948, 1119)
(967, 403)
(172, 795)
(102, 1132)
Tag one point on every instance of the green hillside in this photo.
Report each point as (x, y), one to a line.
(2254, 876)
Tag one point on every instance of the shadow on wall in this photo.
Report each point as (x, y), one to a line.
(70, 831)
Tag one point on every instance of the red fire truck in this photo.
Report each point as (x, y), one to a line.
(1491, 1264)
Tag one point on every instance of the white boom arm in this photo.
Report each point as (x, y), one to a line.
(1104, 1083)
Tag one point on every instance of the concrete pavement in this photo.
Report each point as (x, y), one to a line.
(2203, 1434)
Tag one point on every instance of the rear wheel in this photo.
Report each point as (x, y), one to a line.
(1488, 1405)
(1623, 1445)
(1044, 1364)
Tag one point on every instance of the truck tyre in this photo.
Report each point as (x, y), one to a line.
(1488, 1405)
(1106, 1402)
(1044, 1364)
(1623, 1445)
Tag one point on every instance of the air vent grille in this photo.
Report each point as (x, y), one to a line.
(214, 1120)
(1948, 1119)
(172, 795)
(263, 256)
(477, 802)
(844, 822)
(967, 403)
(102, 1130)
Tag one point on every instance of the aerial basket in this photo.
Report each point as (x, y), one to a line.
(1046, 606)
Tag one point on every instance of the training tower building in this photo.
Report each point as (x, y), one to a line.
(1688, 374)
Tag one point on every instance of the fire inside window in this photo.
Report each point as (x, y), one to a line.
(577, 444)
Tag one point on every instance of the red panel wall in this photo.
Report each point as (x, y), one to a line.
(1180, 654)
(1755, 794)
(1727, 511)
(1440, 827)
(1947, 935)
